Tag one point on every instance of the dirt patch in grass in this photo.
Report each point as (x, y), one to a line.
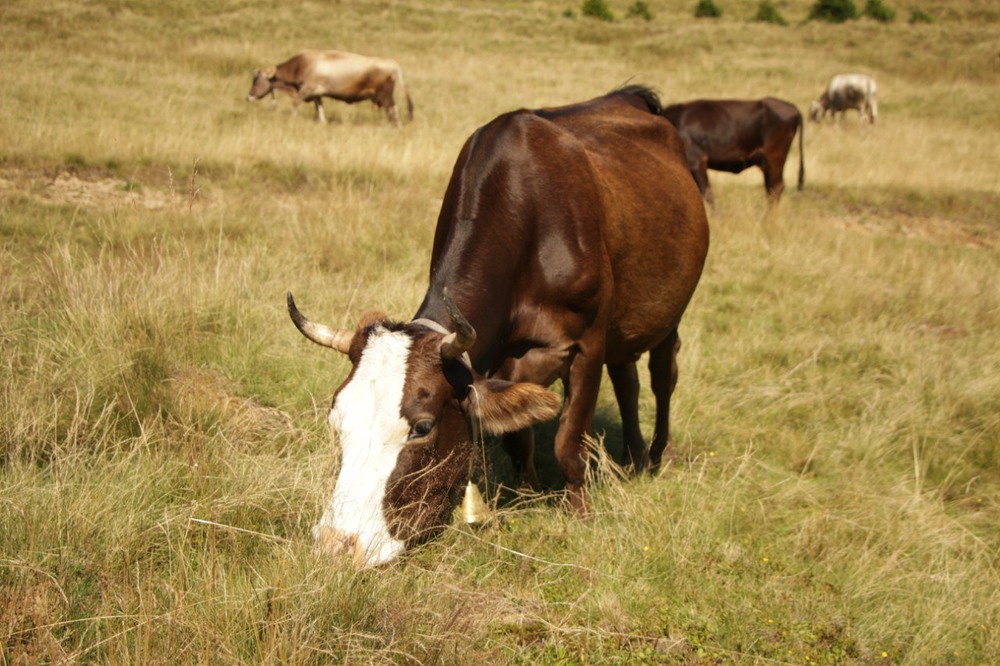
(967, 218)
(97, 191)
(108, 192)
(935, 229)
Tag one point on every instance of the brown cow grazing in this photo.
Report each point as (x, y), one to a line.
(312, 75)
(569, 238)
(734, 134)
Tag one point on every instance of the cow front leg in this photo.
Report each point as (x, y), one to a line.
(296, 101)
(520, 446)
(625, 380)
(581, 388)
(663, 381)
(538, 365)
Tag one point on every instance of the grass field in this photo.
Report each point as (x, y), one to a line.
(163, 447)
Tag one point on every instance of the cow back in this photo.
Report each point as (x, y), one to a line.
(576, 216)
(340, 74)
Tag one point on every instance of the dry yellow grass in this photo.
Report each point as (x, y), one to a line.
(163, 450)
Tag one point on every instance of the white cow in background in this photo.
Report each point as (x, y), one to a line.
(847, 91)
(312, 75)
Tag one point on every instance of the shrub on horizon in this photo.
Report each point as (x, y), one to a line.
(833, 11)
(597, 9)
(920, 16)
(707, 9)
(768, 13)
(877, 10)
(640, 10)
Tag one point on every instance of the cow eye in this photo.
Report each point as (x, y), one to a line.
(421, 429)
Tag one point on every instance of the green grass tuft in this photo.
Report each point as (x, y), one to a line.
(879, 11)
(833, 11)
(707, 9)
(597, 9)
(768, 13)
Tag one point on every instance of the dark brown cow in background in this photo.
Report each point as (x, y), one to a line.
(569, 239)
(734, 134)
(312, 75)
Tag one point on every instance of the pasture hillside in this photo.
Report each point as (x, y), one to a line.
(835, 497)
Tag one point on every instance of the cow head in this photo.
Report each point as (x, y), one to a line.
(403, 418)
(816, 111)
(263, 83)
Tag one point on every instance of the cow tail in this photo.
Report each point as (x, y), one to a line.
(406, 91)
(802, 157)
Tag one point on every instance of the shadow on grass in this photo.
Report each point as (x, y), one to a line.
(500, 472)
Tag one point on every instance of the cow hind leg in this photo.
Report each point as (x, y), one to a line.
(663, 380)
(385, 99)
(700, 172)
(320, 116)
(774, 182)
(625, 380)
(393, 115)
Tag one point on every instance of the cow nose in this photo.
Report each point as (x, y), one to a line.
(330, 541)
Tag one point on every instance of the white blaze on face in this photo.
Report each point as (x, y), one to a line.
(366, 415)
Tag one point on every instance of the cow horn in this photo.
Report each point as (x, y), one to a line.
(319, 333)
(455, 344)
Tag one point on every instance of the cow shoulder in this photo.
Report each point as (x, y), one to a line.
(294, 68)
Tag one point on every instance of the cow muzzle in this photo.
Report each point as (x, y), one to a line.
(330, 541)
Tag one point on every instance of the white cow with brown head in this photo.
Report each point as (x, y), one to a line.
(847, 91)
(312, 75)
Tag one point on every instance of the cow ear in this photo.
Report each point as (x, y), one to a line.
(500, 406)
